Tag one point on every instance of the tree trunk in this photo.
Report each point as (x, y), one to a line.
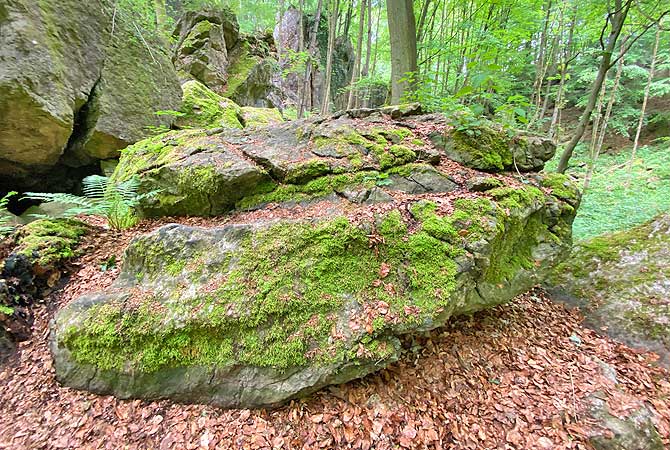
(650, 78)
(402, 30)
(161, 15)
(332, 28)
(307, 80)
(617, 20)
(365, 72)
(279, 36)
(595, 152)
(355, 75)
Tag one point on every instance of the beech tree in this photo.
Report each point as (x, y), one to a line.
(402, 32)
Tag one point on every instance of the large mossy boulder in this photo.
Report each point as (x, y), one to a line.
(204, 38)
(212, 171)
(74, 92)
(211, 50)
(622, 283)
(344, 233)
(255, 312)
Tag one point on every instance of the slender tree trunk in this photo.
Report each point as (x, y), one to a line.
(402, 29)
(567, 54)
(374, 55)
(359, 56)
(332, 27)
(307, 81)
(595, 153)
(161, 15)
(617, 20)
(280, 43)
(650, 78)
(365, 72)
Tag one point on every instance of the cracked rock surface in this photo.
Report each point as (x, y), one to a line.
(319, 265)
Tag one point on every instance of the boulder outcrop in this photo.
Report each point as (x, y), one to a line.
(621, 281)
(75, 87)
(343, 234)
(211, 50)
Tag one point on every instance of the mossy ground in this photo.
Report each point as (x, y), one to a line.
(50, 241)
(282, 310)
(619, 197)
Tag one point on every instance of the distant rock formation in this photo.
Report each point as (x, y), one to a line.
(77, 83)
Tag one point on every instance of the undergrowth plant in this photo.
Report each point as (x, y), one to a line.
(4, 215)
(117, 202)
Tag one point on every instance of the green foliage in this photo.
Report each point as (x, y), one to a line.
(116, 201)
(619, 198)
(4, 214)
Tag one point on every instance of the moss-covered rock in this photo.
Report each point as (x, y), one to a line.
(622, 282)
(207, 172)
(260, 117)
(203, 38)
(251, 314)
(49, 242)
(493, 150)
(203, 108)
(194, 174)
(72, 91)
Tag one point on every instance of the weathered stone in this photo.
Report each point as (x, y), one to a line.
(73, 92)
(621, 281)
(491, 150)
(204, 38)
(635, 432)
(421, 179)
(195, 174)
(308, 158)
(482, 184)
(251, 314)
(287, 34)
(260, 117)
(203, 108)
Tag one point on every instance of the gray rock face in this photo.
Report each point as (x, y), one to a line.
(204, 39)
(621, 281)
(484, 148)
(210, 172)
(72, 92)
(253, 313)
(287, 34)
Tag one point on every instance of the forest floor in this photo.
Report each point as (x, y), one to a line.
(518, 376)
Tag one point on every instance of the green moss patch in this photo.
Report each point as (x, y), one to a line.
(203, 108)
(48, 242)
(483, 148)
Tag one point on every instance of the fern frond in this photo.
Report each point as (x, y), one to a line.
(95, 186)
(80, 205)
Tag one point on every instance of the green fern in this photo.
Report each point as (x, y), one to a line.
(4, 218)
(117, 202)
